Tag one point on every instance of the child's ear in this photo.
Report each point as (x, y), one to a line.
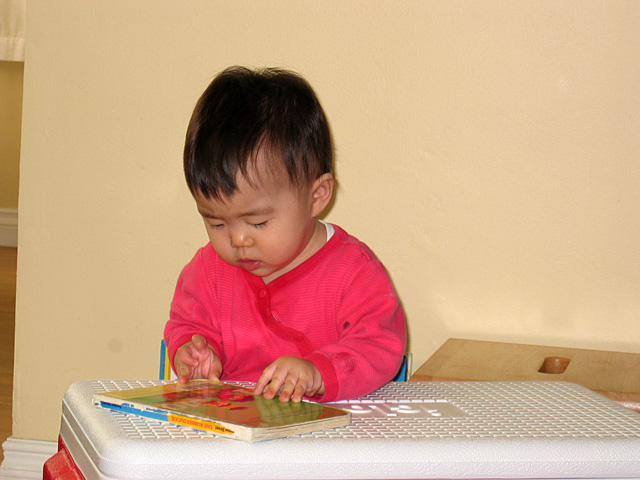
(322, 191)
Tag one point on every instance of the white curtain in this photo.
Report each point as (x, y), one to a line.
(12, 27)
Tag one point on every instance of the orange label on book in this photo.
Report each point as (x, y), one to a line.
(199, 424)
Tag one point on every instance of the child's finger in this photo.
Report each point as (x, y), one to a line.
(298, 393)
(259, 386)
(214, 375)
(293, 390)
(181, 365)
(277, 380)
(264, 380)
(183, 374)
(288, 388)
(199, 342)
(215, 371)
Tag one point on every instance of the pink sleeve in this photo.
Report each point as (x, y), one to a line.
(193, 309)
(372, 338)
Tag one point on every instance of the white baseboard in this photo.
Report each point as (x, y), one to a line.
(25, 458)
(8, 227)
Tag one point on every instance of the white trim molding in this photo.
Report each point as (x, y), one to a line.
(8, 227)
(25, 458)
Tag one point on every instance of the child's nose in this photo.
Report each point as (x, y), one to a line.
(240, 239)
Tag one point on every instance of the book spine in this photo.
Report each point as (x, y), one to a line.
(199, 424)
(164, 416)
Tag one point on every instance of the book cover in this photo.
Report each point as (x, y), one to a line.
(224, 409)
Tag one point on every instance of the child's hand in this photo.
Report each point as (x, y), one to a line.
(197, 359)
(295, 376)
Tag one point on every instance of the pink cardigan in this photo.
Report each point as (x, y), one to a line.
(338, 310)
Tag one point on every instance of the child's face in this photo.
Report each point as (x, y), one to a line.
(266, 228)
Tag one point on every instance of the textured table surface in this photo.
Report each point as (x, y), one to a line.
(405, 430)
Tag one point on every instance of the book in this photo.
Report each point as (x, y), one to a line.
(224, 409)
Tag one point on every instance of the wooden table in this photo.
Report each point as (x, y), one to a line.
(615, 375)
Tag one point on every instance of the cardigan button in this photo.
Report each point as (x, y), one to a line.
(262, 293)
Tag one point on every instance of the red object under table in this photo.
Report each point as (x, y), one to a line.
(61, 466)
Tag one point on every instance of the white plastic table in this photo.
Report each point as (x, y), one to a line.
(406, 430)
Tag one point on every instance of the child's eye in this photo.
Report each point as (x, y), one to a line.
(215, 226)
(260, 225)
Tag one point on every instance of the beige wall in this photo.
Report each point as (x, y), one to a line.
(10, 120)
(487, 151)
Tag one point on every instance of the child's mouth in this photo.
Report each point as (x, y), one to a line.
(248, 265)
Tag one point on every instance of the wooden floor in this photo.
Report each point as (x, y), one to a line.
(8, 258)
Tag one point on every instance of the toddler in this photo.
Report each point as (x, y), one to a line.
(277, 297)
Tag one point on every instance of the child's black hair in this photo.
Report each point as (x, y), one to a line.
(243, 112)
